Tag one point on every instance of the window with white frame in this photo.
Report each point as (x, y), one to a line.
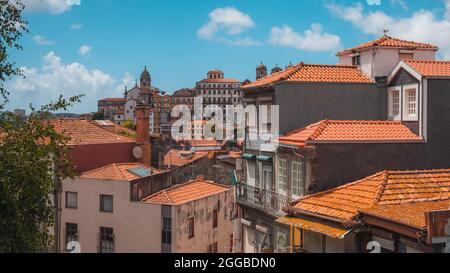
(251, 173)
(282, 175)
(297, 178)
(394, 103)
(411, 95)
(410, 105)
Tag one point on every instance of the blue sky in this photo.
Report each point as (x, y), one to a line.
(97, 47)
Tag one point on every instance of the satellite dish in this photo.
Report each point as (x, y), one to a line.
(137, 152)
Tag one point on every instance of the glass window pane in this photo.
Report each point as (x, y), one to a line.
(106, 203)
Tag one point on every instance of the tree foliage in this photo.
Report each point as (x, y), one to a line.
(98, 116)
(11, 28)
(34, 157)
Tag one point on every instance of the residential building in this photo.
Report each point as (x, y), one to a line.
(184, 96)
(196, 217)
(218, 90)
(112, 109)
(332, 152)
(313, 92)
(93, 146)
(101, 209)
(303, 163)
(377, 58)
(386, 212)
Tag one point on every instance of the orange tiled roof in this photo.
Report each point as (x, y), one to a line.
(350, 131)
(119, 171)
(430, 68)
(385, 188)
(184, 193)
(410, 214)
(219, 81)
(175, 157)
(203, 142)
(314, 73)
(387, 41)
(113, 100)
(84, 132)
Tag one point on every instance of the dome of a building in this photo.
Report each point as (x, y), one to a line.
(261, 66)
(146, 79)
(276, 69)
(215, 71)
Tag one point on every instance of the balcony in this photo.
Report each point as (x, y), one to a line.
(267, 201)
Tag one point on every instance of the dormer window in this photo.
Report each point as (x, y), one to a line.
(394, 103)
(410, 103)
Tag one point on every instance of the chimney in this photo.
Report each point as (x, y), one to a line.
(143, 133)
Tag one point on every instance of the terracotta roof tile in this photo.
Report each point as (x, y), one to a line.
(410, 214)
(431, 68)
(387, 41)
(314, 73)
(184, 193)
(84, 132)
(179, 158)
(119, 171)
(113, 100)
(385, 188)
(219, 81)
(350, 131)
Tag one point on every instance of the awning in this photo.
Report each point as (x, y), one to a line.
(248, 156)
(264, 158)
(333, 231)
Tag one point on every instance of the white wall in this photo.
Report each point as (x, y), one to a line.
(137, 226)
(384, 60)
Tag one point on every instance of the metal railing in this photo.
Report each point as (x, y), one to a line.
(268, 201)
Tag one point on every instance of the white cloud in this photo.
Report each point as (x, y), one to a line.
(127, 82)
(85, 50)
(41, 40)
(226, 22)
(422, 25)
(313, 39)
(54, 77)
(76, 26)
(52, 6)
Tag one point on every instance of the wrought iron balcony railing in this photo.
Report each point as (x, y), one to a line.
(268, 201)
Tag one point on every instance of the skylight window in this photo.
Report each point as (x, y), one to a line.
(140, 171)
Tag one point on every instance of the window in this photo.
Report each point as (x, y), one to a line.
(106, 240)
(167, 231)
(106, 203)
(215, 216)
(411, 95)
(297, 179)
(394, 103)
(212, 248)
(406, 56)
(251, 173)
(71, 233)
(356, 60)
(71, 200)
(191, 228)
(410, 103)
(282, 175)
